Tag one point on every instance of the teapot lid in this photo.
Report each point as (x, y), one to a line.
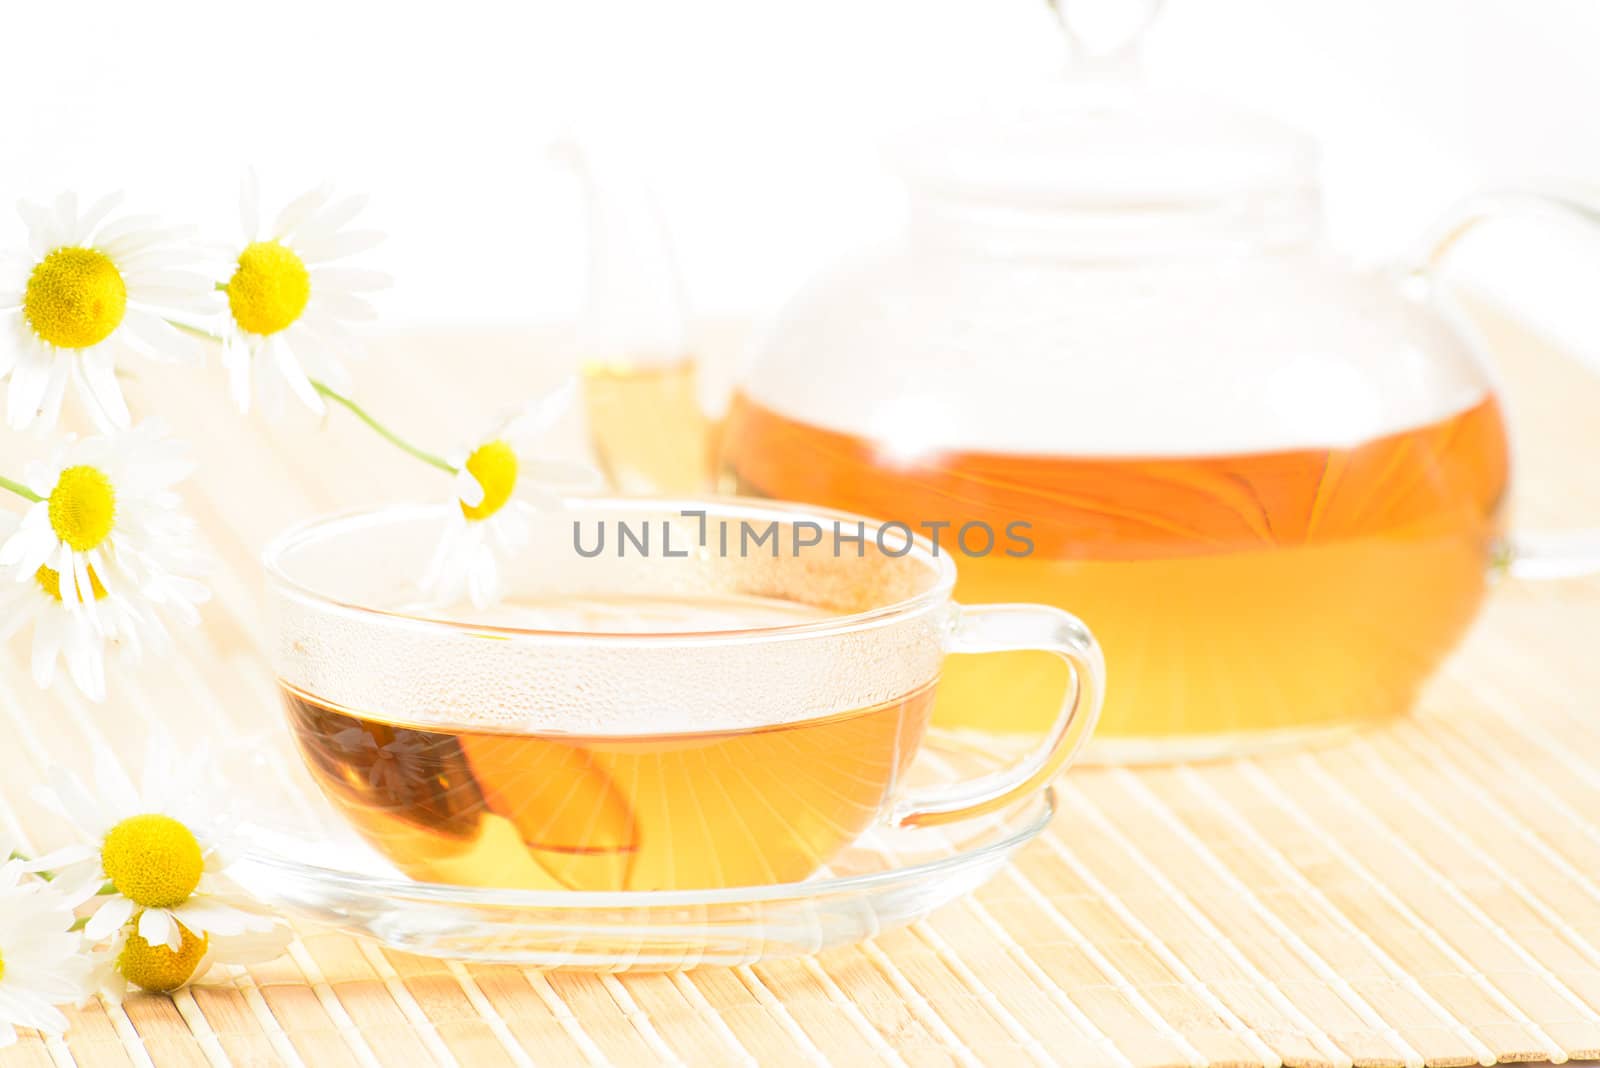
(1097, 135)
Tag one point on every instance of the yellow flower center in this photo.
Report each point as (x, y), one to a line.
(157, 968)
(83, 507)
(153, 861)
(49, 580)
(2, 965)
(75, 298)
(269, 289)
(495, 467)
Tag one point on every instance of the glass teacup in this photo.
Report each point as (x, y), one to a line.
(671, 695)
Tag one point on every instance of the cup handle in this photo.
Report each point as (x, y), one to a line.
(1003, 628)
(1537, 555)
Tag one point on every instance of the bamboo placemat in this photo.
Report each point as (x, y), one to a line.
(1427, 894)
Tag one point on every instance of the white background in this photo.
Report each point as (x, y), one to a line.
(756, 121)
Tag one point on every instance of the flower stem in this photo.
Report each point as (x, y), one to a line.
(327, 391)
(193, 331)
(19, 489)
(17, 854)
(388, 435)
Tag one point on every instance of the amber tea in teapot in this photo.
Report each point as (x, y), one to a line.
(1232, 593)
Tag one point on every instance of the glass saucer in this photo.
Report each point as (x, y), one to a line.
(303, 859)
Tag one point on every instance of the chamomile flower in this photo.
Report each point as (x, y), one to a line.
(288, 306)
(129, 960)
(68, 633)
(88, 292)
(156, 848)
(108, 523)
(495, 479)
(41, 960)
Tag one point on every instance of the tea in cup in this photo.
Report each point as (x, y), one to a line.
(673, 694)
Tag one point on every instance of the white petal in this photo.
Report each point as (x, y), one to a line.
(46, 644)
(151, 336)
(442, 577)
(75, 894)
(82, 587)
(156, 927)
(125, 234)
(86, 662)
(299, 209)
(10, 347)
(96, 214)
(44, 235)
(542, 412)
(349, 279)
(328, 221)
(340, 245)
(60, 858)
(345, 306)
(483, 578)
(468, 489)
(295, 375)
(250, 204)
(62, 564)
(200, 915)
(108, 918)
(68, 797)
(115, 786)
(99, 383)
(317, 355)
(252, 948)
(509, 530)
(153, 279)
(156, 257)
(29, 380)
(32, 543)
(267, 386)
(67, 216)
(559, 475)
(54, 390)
(236, 359)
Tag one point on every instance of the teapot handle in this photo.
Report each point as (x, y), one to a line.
(1540, 555)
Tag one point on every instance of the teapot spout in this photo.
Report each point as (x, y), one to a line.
(640, 393)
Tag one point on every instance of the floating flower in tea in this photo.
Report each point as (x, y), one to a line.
(491, 477)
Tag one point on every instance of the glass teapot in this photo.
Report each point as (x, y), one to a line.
(1111, 364)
